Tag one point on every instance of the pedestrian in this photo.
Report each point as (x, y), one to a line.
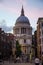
(37, 61)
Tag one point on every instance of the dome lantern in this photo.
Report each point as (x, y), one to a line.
(22, 11)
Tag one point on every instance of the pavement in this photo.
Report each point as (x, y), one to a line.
(12, 63)
(18, 64)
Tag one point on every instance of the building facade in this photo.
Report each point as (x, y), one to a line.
(35, 42)
(6, 44)
(40, 37)
(23, 33)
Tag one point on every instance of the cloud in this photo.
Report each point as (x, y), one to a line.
(32, 9)
(4, 26)
(33, 30)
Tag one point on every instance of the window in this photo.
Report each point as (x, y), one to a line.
(17, 31)
(42, 53)
(29, 31)
(23, 30)
(42, 31)
(24, 40)
(2, 38)
(42, 24)
(25, 50)
(42, 39)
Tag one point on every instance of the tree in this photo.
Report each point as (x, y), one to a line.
(18, 49)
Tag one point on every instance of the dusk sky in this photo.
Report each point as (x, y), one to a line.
(10, 10)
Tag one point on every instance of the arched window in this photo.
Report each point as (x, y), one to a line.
(24, 40)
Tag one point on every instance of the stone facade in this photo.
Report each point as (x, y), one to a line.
(40, 37)
(23, 33)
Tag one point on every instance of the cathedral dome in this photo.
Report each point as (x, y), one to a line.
(22, 18)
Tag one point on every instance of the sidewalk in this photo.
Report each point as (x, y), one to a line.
(18, 64)
(12, 63)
